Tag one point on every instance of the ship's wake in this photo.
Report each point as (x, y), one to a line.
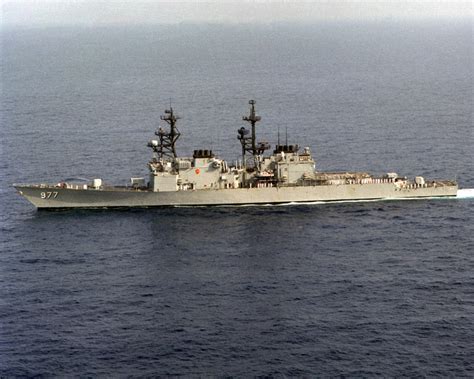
(465, 193)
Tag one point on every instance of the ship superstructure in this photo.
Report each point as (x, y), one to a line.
(286, 174)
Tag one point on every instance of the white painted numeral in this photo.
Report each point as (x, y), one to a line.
(49, 195)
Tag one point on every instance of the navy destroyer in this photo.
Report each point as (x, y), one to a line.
(286, 175)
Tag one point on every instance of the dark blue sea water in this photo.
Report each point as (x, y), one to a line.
(354, 289)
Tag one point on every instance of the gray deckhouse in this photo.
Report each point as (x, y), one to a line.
(168, 172)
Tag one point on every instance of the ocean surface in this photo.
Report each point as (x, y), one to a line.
(351, 289)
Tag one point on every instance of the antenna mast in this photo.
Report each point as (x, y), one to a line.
(252, 119)
(166, 146)
(249, 144)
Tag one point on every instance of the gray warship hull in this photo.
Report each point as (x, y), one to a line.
(287, 175)
(50, 197)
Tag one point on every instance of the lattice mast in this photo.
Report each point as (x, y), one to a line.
(166, 147)
(249, 144)
(252, 118)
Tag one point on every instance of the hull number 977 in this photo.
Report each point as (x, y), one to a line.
(49, 195)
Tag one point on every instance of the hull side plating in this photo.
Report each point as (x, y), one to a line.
(52, 197)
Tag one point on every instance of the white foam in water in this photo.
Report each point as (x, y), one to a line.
(465, 193)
